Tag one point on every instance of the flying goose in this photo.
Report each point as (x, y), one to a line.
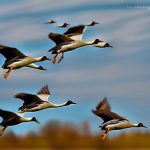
(11, 119)
(92, 23)
(50, 22)
(38, 102)
(112, 121)
(64, 25)
(16, 59)
(64, 44)
(76, 33)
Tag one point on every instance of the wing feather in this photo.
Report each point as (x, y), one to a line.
(103, 110)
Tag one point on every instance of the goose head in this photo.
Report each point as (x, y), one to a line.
(141, 125)
(69, 103)
(108, 45)
(51, 21)
(93, 23)
(44, 58)
(35, 120)
(66, 24)
(96, 41)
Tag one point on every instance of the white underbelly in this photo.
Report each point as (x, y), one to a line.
(118, 126)
(21, 63)
(39, 107)
(67, 48)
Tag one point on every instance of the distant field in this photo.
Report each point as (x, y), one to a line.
(57, 136)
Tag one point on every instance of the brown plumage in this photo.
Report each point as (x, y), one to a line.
(103, 110)
(44, 90)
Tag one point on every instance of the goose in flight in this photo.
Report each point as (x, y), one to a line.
(50, 22)
(16, 59)
(112, 121)
(76, 33)
(92, 23)
(64, 25)
(38, 102)
(70, 40)
(11, 119)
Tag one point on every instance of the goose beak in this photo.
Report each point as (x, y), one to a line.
(144, 126)
(74, 103)
(110, 46)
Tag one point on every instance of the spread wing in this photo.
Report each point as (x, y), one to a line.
(44, 93)
(76, 32)
(103, 105)
(6, 115)
(59, 38)
(10, 52)
(103, 111)
(28, 98)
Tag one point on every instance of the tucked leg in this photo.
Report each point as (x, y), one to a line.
(105, 134)
(61, 58)
(8, 73)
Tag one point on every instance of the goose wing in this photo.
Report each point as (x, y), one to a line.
(44, 93)
(28, 98)
(76, 32)
(103, 110)
(10, 52)
(6, 115)
(59, 38)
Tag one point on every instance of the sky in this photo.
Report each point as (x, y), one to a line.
(87, 74)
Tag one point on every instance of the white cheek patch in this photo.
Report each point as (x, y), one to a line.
(100, 44)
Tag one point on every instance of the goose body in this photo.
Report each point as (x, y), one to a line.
(16, 59)
(11, 119)
(50, 22)
(38, 102)
(64, 25)
(19, 63)
(70, 40)
(92, 23)
(112, 121)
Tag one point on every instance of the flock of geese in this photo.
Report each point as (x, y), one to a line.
(68, 41)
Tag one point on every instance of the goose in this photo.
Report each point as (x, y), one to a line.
(64, 44)
(92, 23)
(76, 33)
(64, 25)
(70, 40)
(38, 102)
(11, 119)
(112, 121)
(16, 59)
(50, 22)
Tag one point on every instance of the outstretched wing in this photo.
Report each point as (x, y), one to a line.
(103, 105)
(6, 115)
(59, 38)
(10, 52)
(103, 110)
(44, 93)
(76, 32)
(108, 115)
(28, 98)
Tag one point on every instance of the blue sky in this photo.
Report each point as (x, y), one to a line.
(87, 74)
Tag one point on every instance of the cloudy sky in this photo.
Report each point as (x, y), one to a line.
(87, 74)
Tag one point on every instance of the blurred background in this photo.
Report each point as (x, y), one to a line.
(86, 75)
